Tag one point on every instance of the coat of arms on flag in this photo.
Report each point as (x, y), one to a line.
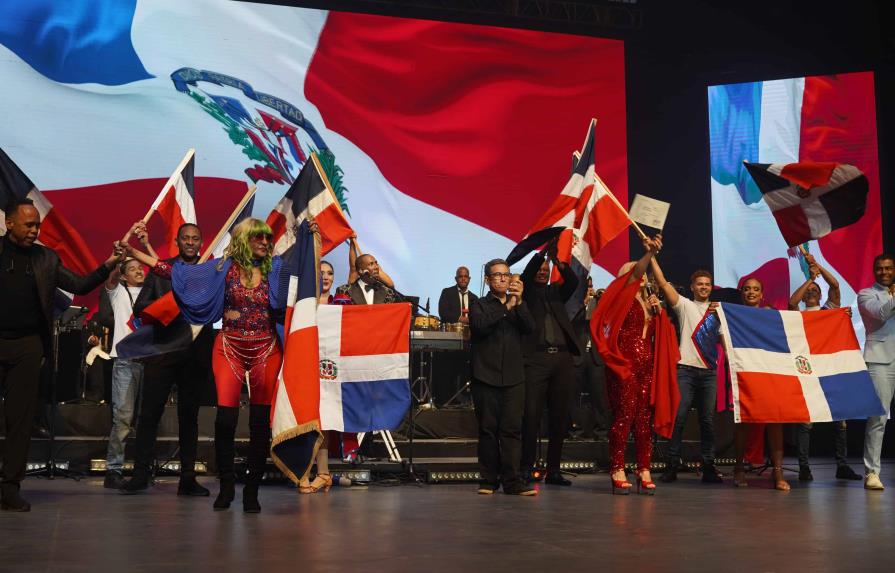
(364, 366)
(789, 366)
(809, 199)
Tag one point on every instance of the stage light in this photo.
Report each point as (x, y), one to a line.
(99, 466)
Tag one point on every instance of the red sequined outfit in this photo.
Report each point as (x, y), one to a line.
(246, 343)
(630, 399)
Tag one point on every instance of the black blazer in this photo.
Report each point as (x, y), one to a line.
(449, 304)
(50, 274)
(496, 340)
(556, 295)
(381, 293)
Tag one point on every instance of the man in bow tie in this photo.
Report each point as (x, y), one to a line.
(368, 288)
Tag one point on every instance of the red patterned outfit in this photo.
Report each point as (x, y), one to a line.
(630, 399)
(247, 343)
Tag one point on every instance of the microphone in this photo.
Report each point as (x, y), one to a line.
(650, 292)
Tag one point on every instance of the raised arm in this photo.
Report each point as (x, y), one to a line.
(834, 295)
(651, 246)
(671, 295)
(77, 284)
(796, 297)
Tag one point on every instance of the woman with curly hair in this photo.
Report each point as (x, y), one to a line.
(244, 291)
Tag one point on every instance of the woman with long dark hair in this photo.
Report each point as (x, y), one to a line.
(323, 480)
(752, 293)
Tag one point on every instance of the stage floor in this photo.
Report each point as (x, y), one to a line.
(823, 526)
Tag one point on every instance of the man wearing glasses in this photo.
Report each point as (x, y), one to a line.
(497, 323)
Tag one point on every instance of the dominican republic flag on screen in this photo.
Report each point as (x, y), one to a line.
(587, 214)
(811, 199)
(790, 366)
(55, 231)
(176, 204)
(828, 120)
(309, 196)
(295, 416)
(451, 139)
(364, 366)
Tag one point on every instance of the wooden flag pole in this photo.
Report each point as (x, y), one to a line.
(186, 158)
(226, 227)
(619, 205)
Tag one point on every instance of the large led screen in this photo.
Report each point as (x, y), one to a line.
(452, 139)
(819, 118)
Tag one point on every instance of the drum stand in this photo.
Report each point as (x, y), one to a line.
(51, 470)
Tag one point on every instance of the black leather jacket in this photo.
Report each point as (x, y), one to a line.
(50, 274)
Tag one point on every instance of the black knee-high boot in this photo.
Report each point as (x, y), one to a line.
(259, 446)
(224, 452)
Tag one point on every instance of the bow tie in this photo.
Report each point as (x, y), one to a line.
(369, 288)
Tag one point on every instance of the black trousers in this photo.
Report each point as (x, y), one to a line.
(20, 361)
(548, 381)
(498, 410)
(188, 370)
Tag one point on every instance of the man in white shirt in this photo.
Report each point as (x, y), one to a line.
(697, 383)
(809, 294)
(877, 307)
(453, 304)
(368, 288)
(123, 287)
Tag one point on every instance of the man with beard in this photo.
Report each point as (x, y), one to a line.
(877, 307)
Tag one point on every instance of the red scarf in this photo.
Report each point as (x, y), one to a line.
(605, 325)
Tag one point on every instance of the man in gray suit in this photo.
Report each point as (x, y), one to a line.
(877, 307)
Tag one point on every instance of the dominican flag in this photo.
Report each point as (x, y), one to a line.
(100, 120)
(219, 248)
(55, 232)
(588, 215)
(825, 120)
(176, 203)
(295, 417)
(811, 199)
(364, 366)
(790, 366)
(309, 196)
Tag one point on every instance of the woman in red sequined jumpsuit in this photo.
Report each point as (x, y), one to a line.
(246, 351)
(630, 399)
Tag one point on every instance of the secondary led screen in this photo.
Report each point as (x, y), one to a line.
(818, 118)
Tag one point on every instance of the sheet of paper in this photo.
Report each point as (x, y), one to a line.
(649, 212)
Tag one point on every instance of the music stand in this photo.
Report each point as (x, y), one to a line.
(68, 319)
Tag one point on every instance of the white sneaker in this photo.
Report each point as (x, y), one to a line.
(871, 481)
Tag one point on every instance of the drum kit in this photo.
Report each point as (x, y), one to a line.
(432, 324)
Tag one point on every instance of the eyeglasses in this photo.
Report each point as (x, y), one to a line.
(261, 237)
(500, 276)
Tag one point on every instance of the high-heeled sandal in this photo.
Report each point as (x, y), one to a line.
(780, 484)
(304, 486)
(620, 486)
(739, 476)
(645, 487)
(322, 481)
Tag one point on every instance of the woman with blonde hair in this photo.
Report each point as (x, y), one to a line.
(245, 292)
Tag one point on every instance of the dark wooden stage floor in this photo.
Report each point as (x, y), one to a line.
(824, 526)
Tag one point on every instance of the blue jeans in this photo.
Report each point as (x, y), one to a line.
(883, 376)
(127, 377)
(698, 385)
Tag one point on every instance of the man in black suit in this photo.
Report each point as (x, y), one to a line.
(368, 288)
(497, 323)
(187, 369)
(29, 275)
(549, 353)
(453, 305)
